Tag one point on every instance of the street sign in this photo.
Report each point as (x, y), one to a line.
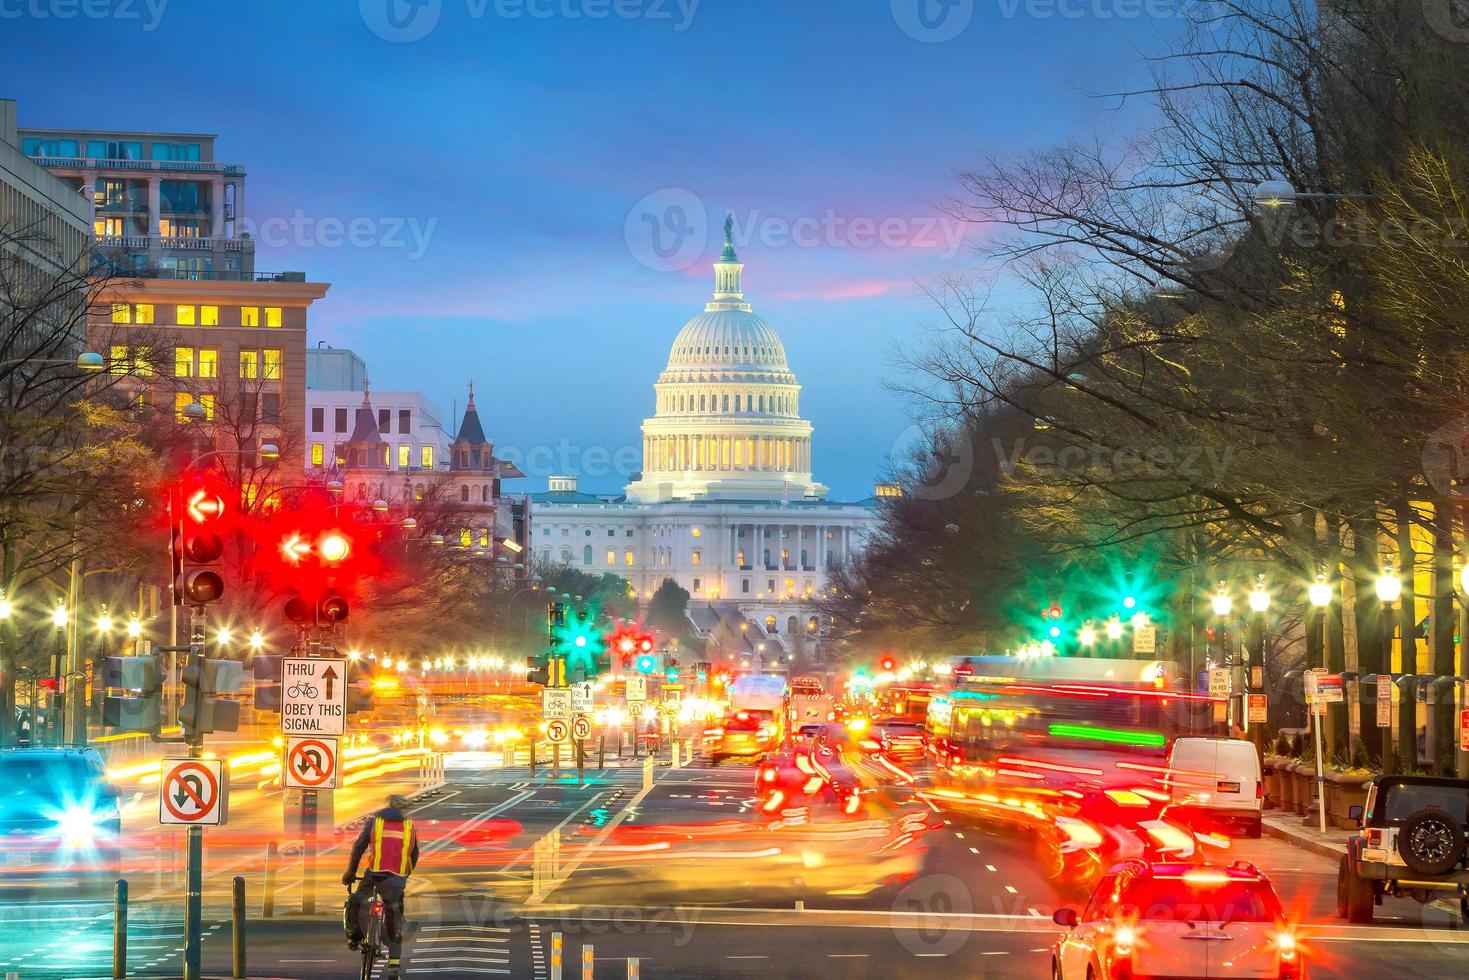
(1145, 639)
(1257, 678)
(1323, 687)
(556, 730)
(556, 703)
(1259, 709)
(637, 689)
(1219, 685)
(1464, 730)
(310, 763)
(580, 728)
(1384, 701)
(313, 696)
(193, 792)
(581, 697)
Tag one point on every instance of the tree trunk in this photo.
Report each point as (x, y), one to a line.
(1370, 626)
(1408, 646)
(1443, 623)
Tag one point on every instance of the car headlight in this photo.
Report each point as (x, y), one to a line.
(80, 826)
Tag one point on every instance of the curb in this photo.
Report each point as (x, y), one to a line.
(1302, 841)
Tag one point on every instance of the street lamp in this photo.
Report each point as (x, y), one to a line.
(257, 641)
(85, 361)
(223, 636)
(134, 627)
(1088, 635)
(1222, 602)
(1388, 588)
(6, 608)
(59, 615)
(1259, 596)
(104, 621)
(1320, 592)
(1114, 628)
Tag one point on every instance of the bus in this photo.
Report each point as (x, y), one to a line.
(1023, 721)
(809, 702)
(907, 700)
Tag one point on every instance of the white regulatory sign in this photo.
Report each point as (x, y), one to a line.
(193, 792)
(556, 703)
(581, 697)
(1145, 639)
(310, 763)
(637, 689)
(1219, 682)
(313, 696)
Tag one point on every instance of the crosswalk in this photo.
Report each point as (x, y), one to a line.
(460, 950)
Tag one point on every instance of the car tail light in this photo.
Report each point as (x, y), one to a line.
(1285, 944)
(1123, 940)
(1374, 838)
(1259, 791)
(768, 775)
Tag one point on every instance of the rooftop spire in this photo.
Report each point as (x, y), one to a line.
(729, 290)
(729, 251)
(470, 406)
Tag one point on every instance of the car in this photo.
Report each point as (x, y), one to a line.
(58, 812)
(901, 739)
(1150, 919)
(1216, 782)
(809, 774)
(1412, 842)
(743, 734)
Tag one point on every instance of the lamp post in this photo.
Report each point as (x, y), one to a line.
(1259, 601)
(7, 682)
(1320, 593)
(1388, 588)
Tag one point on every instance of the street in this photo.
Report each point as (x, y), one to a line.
(976, 901)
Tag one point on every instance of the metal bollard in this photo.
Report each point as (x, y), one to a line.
(532, 755)
(588, 963)
(308, 877)
(119, 929)
(237, 913)
(556, 956)
(632, 968)
(601, 751)
(267, 901)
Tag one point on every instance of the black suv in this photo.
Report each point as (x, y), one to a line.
(1412, 844)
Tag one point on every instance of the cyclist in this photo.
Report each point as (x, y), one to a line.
(391, 847)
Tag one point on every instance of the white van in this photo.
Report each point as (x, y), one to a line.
(1217, 780)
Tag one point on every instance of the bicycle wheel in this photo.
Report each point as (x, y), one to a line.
(369, 947)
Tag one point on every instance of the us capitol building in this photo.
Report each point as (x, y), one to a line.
(726, 503)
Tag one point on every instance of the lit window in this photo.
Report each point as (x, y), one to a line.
(465, 538)
(143, 313)
(208, 362)
(272, 316)
(122, 313)
(611, 557)
(209, 316)
(318, 454)
(484, 537)
(117, 360)
(183, 362)
(185, 316)
(181, 401)
(627, 557)
(698, 558)
(272, 364)
(142, 367)
(696, 585)
(249, 316)
(405, 456)
(208, 402)
(426, 457)
(249, 364)
(698, 532)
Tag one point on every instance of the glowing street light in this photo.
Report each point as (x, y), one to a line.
(104, 621)
(256, 639)
(1222, 602)
(59, 616)
(1088, 635)
(1388, 586)
(135, 627)
(5, 607)
(1320, 592)
(1114, 628)
(1259, 596)
(223, 636)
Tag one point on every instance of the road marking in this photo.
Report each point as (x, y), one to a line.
(443, 842)
(749, 957)
(958, 835)
(846, 956)
(990, 866)
(1010, 889)
(930, 954)
(974, 850)
(1033, 911)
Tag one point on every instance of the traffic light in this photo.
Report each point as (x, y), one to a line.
(579, 641)
(198, 547)
(141, 709)
(888, 663)
(549, 671)
(267, 670)
(646, 663)
(202, 712)
(671, 670)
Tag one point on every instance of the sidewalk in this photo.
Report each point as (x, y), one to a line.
(1290, 828)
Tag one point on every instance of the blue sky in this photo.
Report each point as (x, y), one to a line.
(506, 172)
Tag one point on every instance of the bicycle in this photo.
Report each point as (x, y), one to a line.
(372, 943)
(301, 690)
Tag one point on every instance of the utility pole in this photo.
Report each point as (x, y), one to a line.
(194, 835)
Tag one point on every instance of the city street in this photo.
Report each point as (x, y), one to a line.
(977, 901)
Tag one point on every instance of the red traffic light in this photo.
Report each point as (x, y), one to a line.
(645, 645)
(203, 506)
(333, 609)
(1054, 612)
(197, 545)
(888, 663)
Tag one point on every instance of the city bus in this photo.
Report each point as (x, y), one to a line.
(809, 703)
(1018, 721)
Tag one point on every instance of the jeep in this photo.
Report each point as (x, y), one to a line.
(1412, 840)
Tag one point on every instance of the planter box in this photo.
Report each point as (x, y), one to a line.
(1286, 785)
(1343, 791)
(1271, 774)
(1304, 790)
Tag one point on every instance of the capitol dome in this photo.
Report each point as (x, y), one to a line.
(727, 421)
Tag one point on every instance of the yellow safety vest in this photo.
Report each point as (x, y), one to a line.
(392, 846)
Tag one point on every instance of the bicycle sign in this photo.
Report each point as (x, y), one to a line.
(311, 763)
(193, 792)
(313, 696)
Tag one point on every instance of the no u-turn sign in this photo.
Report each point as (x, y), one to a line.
(310, 763)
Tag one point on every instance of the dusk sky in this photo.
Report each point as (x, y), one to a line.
(507, 173)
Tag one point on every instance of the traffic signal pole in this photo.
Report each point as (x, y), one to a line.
(194, 835)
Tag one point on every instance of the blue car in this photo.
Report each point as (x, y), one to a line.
(58, 813)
